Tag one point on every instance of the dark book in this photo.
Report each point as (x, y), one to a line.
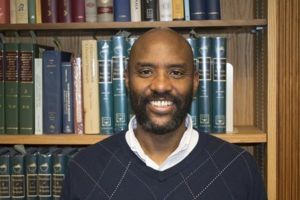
(5, 174)
(17, 175)
(122, 11)
(32, 12)
(205, 84)
(11, 58)
(49, 11)
(72, 154)
(4, 11)
(52, 86)
(219, 84)
(105, 87)
(31, 170)
(194, 110)
(150, 10)
(28, 52)
(119, 87)
(2, 89)
(78, 10)
(67, 97)
(197, 9)
(213, 9)
(65, 11)
(105, 11)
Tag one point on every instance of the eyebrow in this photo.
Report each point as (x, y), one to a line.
(148, 64)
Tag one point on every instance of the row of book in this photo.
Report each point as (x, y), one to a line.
(33, 172)
(68, 11)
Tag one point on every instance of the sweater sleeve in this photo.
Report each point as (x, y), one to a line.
(259, 191)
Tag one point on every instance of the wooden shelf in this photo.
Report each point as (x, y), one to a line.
(245, 134)
(134, 25)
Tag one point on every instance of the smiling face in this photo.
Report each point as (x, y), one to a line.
(161, 80)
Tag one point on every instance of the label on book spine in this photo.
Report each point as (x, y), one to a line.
(2, 97)
(4, 185)
(105, 11)
(32, 185)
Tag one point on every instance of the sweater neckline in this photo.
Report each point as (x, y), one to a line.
(162, 175)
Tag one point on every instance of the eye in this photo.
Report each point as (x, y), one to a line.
(145, 73)
(176, 74)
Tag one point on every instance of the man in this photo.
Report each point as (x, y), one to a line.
(161, 156)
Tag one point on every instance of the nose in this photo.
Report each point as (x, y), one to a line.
(161, 83)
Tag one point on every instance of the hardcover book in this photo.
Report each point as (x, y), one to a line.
(178, 10)
(5, 174)
(65, 14)
(105, 11)
(165, 10)
(213, 9)
(90, 80)
(229, 98)
(22, 11)
(12, 9)
(219, 84)
(52, 86)
(198, 9)
(187, 10)
(32, 11)
(122, 11)
(38, 96)
(38, 11)
(31, 170)
(49, 11)
(135, 10)
(11, 60)
(130, 42)
(18, 175)
(78, 10)
(105, 87)
(149, 10)
(2, 89)
(4, 12)
(90, 11)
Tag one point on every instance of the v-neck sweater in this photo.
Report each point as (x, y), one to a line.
(215, 169)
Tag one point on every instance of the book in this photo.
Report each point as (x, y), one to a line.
(90, 11)
(149, 10)
(213, 9)
(31, 171)
(67, 97)
(90, 80)
(130, 42)
(2, 89)
(205, 84)
(122, 11)
(11, 60)
(165, 10)
(229, 98)
(38, 11)
(78, 10)
(197, 9)
(21, 11)
(5, 174)
(17, 175)
(78, 96)
(12, 9)
(4, 12)
(65, 14)
(187, 10)
(105, 87)
(194, 110)
(27, 53)
(32, 11)
(105, 11)
(38, 96)
(178, 10)
(135, 10)
(119, 87)
(219, 84)
(49, 11)
(52, 99)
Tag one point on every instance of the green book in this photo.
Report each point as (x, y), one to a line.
(205, 84)
(27, 53)
(105, 87)
(31, 11)
(194, 110)
(18, 175)
(219, 84)
(119, 87)
(11, 60)
(2, 94)
(5, 173)
(31, 173)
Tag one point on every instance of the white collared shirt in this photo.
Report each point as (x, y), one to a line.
(186, 145)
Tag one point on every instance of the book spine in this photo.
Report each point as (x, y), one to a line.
(77, 96)
(122, 10)
(194, 111)
(4, 12)
(105, 87)
(59, 163)
(149, 10)
(67, 94)
(22, 11)
(213, 9)
(18, 176)
(119, 88)
(31, 176)
(205, 84)
(38, 11)
(78, 10)
(38, 92)
(45, 176)
(198, 9)
(32, 11)
(11, 88)
(65, 14)
(90, 11)
(12, 9)
(165, 10)
(90, 81)
(219, 84)
(2, 89)
(130, 42)
(187, 16)
(135, 10)
(49, 11)
(229, 98)
(5, 176)
(105, 11)
(178, 10)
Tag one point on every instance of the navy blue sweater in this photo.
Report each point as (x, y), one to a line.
(214, 170)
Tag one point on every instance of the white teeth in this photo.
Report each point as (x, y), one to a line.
(161, 103)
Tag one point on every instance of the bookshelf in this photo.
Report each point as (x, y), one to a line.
(254, 88)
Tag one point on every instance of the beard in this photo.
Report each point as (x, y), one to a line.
(139, 106)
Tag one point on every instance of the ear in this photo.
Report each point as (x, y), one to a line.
(195, 82)
(127, 79)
